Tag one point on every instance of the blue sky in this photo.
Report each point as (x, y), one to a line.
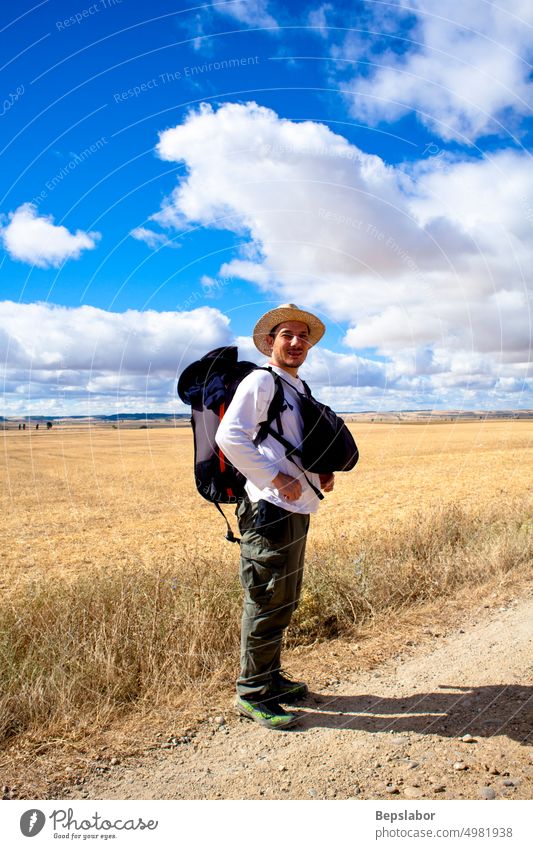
(170, 172)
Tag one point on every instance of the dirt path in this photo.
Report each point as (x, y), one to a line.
(391, 733)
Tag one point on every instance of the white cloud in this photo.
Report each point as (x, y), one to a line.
(252, 12)
(51, 352)
(327, 368)
(318, 18)
(151, 238)
(466, 66)
(434, 256)
(35, 239)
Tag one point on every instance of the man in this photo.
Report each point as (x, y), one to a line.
(274, 515)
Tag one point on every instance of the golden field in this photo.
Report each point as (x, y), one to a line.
(78, 499)
(119, 585)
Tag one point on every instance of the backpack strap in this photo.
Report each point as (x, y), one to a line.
(277, 405)
(308, 391)
(275, 409)
(290, 450)
(230, 536)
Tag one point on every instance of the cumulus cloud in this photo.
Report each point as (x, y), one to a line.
(52, 352)
(433, 256)
(462, 66)
(35, 239)
(252, 12)
(318, 18)
(151, 238)
(307, 198)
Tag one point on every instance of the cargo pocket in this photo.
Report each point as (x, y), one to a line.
(259, 581)
(266, 553)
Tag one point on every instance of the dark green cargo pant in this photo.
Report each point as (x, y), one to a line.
(271, 572)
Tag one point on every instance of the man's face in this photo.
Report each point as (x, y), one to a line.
(290, 344)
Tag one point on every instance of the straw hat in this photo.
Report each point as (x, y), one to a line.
(286, 312)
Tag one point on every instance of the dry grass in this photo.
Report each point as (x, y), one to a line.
(119, 587)
(417, 558)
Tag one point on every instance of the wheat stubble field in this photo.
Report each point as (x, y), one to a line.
(119, 589)
(79, 499)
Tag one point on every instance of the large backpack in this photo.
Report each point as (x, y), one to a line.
(327, 445)
(208, 386)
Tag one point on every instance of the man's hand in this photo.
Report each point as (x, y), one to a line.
(288, 487)
(327, 482)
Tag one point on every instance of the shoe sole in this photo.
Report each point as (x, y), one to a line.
(267, 723)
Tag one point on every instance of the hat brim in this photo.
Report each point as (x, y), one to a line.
(287, 312)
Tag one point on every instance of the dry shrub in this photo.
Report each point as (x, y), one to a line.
(350, 579)
(79, 651)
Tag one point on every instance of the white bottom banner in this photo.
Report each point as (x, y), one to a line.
(262, 824)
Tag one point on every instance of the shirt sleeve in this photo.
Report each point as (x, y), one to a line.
(240, 423)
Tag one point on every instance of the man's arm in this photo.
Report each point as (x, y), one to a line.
(236, 431)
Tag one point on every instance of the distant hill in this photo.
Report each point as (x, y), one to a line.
(113, 417)
(375, 416)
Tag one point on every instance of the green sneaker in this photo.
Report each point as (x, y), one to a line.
(270, 714)
(286, 689)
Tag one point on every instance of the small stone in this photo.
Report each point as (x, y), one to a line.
(392, 789)
(468, 739)
(114, 761)
(487, 793)
(412, 792)
(440, 788)
(412, 764)
(494, 770)
(508, 783)
(459, 765)
(283, 769)
(312, 792)
(219, 720)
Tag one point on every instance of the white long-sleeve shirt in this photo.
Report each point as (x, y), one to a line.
(260, 464)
